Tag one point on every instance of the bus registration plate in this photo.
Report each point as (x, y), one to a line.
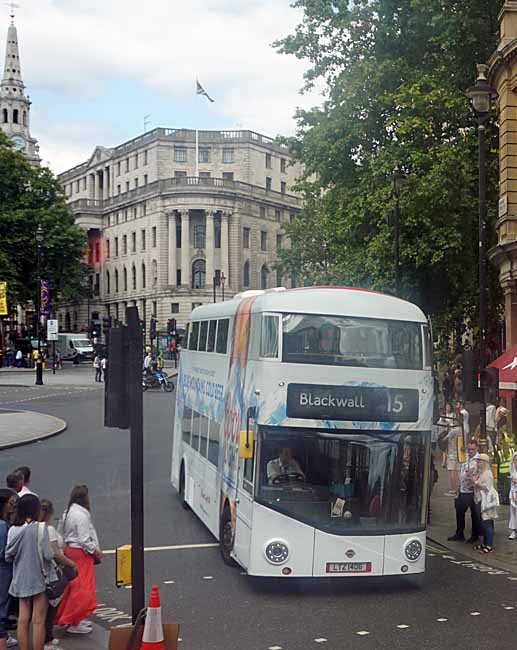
(349, 567)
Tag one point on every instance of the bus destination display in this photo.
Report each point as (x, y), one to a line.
(323, 402)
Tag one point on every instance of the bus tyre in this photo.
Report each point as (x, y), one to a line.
(184, 504)
(226, 537)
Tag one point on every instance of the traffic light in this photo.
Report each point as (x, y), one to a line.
(490, 381)
(152, 328)
(142, 327)
(171, 327)
(95, 330)
(106, 324)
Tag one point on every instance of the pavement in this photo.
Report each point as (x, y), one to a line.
(23, 427)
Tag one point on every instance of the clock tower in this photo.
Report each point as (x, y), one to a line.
(14, 104)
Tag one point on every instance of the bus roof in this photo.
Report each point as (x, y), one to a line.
(338, 301)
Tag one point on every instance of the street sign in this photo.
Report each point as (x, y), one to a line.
(503, 206)
(52, 330)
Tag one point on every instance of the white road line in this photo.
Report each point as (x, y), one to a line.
(320, 640)
(475, 613)
(208, 577)
(275, 647)
(177, 547)
(442, 620)
(362, 633)
(402, 627)
(168, 582)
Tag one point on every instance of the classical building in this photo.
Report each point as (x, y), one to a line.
(14, 103)
(163, 229)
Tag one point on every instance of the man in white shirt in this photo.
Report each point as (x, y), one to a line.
(283, 466)
(460, 408)
(465, 498)
(26, 473)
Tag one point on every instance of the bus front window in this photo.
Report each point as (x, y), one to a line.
(350, 483)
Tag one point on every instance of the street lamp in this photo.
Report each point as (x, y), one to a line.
(39, 362)
(481, 96)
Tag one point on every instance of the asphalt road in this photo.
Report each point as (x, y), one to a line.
(461, 606)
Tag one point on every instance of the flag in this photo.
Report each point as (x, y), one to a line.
(44, 298)
(201, 91)
(3, 298)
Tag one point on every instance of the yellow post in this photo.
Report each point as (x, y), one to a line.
(123, 566)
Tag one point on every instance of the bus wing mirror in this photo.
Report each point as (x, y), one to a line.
(246, 444)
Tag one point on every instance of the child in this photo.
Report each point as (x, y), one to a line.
(486, 495)
(513, 498)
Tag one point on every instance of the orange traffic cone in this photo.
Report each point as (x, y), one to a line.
(153, 630)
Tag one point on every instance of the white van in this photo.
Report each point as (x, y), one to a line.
(74, 345)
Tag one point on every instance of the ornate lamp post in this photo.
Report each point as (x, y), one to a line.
(481, 96)
(39, 362)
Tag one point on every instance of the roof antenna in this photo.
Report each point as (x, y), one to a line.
(12, 7)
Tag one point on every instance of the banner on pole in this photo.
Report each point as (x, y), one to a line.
(44, 298)
(3, 299)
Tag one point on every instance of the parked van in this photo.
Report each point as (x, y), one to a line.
(74, 347)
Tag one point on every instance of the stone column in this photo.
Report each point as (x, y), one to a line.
(185, 249)
(171, 220)
(107, 180)
(225, 268)
(209, 248)
(91, 186)
(510, 313)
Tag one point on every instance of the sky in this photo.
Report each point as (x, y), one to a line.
(95, 68)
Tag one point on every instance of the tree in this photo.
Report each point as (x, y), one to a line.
(395, 74)
(30, 196)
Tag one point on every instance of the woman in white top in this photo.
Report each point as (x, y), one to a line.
(82, 547)
(56, 542)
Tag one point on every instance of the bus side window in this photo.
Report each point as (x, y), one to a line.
(194, 336)
(203, 435)
(269, 337)
(213, 441)
(196, 429)
(222, 336)
(187, 424)
(203, 330)
(210, 345)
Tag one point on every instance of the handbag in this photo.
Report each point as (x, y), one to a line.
(54, 587)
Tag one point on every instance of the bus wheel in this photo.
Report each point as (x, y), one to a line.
(226, 537)
(184, 504)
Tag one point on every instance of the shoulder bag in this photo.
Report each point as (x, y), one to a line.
(55, 587)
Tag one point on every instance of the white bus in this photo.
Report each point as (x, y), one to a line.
(302, 431)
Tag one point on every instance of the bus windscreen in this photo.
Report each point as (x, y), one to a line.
(350, 341)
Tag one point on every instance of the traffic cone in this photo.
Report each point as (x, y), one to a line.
(153, 630)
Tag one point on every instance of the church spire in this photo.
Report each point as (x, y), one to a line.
(14, 104)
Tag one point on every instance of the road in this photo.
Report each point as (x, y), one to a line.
(460, 606)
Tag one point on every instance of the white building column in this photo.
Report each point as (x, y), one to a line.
(209, 248)
(171, 220)
(107, 180)
(185, 248)
(225, 268)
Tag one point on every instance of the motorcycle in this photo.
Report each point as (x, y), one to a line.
(157, 379)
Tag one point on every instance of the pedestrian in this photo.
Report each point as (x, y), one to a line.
(447, 385)
(512, 525)
(491, 429)
(465, 499)
(465, 415)
(28, 547)
(8, 499)
(147, 362)
(19, 358)
(486, 495)
(454, 437)
(97, 366)
(68, 566)
(104, 367)
(59, 359)
(14, 481)
(82, 547)
(159, 362)
(26, 475)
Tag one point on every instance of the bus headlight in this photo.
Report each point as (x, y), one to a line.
(413, 550)
(277, 552)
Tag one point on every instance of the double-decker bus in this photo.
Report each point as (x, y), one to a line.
(302, 431)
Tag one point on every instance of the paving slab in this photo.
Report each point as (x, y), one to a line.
(23, 427)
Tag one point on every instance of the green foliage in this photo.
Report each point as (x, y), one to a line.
(30, 196)
(395, 74)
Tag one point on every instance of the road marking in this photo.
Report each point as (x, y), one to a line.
(275, 647)
(177, 547)
(321, 640)
(509, 607)
(362, 633)
(402, 627)
(475, 613)
(168, 582)
(442, 620)
(208, 577)
(110, 614)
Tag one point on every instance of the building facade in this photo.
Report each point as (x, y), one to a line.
(14, 103)
(164, 230)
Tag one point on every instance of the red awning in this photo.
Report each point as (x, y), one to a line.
(507, 364)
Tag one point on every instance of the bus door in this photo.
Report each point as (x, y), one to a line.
(244, 509)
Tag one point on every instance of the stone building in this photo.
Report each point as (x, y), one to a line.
(163, 230)
(14, 103)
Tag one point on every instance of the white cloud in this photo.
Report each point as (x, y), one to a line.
(76, 49)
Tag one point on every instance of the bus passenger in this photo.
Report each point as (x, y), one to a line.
(284, 466)
(329, 339)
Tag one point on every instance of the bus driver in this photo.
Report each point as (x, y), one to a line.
(284, 468)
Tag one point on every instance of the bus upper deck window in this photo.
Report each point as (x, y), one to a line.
(222, 336)
(194, 336)
(210, 345)
(269, 337)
